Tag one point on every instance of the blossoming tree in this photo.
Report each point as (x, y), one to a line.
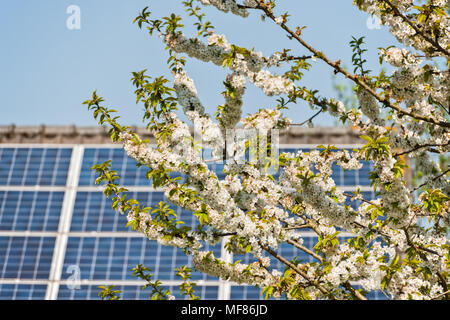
(400, 242)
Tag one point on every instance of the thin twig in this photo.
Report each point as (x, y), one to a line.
(441, 295)
(305, 249)
(434, 179)
(300, 272)
(310, 119)
(354, 78)
(362, 199)
(423, 256)
(420, 147)
(416, 29)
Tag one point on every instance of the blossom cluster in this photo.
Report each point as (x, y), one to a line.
(250, 64)
(252, 274)
(388, 249)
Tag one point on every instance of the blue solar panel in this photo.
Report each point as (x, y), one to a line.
(34, 166)
(113, 258)
(126, 167)
(363, 173)
(93, 211)
(100, 257)
(350, 178)
(29, 210)
(132, 292)
(287, 251)
(22, 291)
(246, 293)
(26, 257)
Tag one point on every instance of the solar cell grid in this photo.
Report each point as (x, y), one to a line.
(99, 257)
(246, 293)
(93, 212)
(113, 258)
(22, 291)
(125, 166)
(26, 257)
(29, 210)
(363, 173)
(34, 166)
(287, 251)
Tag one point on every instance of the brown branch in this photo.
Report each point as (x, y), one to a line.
(303, 226)
(362, 199)
(424, 258)
(310, 119)
(305, 249)
(428, 145)
(289, 58)
(300, 272)
(416, 29)
(354, 78)
(434, 179)
(441, 295)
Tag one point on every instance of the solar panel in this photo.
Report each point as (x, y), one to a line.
(26, 257)
(70, 222)
(246, 293)
(113, 258)
(126, 167)
(22, 291)
(287, 251)
(30, 210)
(363, 173)
(34, 166)
(93, 212)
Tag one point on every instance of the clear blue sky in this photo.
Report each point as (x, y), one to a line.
(47, 70)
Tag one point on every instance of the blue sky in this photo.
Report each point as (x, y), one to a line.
(47, 70)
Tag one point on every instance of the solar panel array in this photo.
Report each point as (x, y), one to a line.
(60, 239)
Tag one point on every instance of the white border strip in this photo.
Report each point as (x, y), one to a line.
(64, 222)
(225, 286)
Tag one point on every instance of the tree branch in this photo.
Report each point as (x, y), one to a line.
(428, 145)
(434, 179)
(300, 272)
(416, 29)
(310, 119)
(354, 78)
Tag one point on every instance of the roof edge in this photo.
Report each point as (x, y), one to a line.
(71, 134)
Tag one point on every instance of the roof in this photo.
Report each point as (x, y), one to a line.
(99, 135)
